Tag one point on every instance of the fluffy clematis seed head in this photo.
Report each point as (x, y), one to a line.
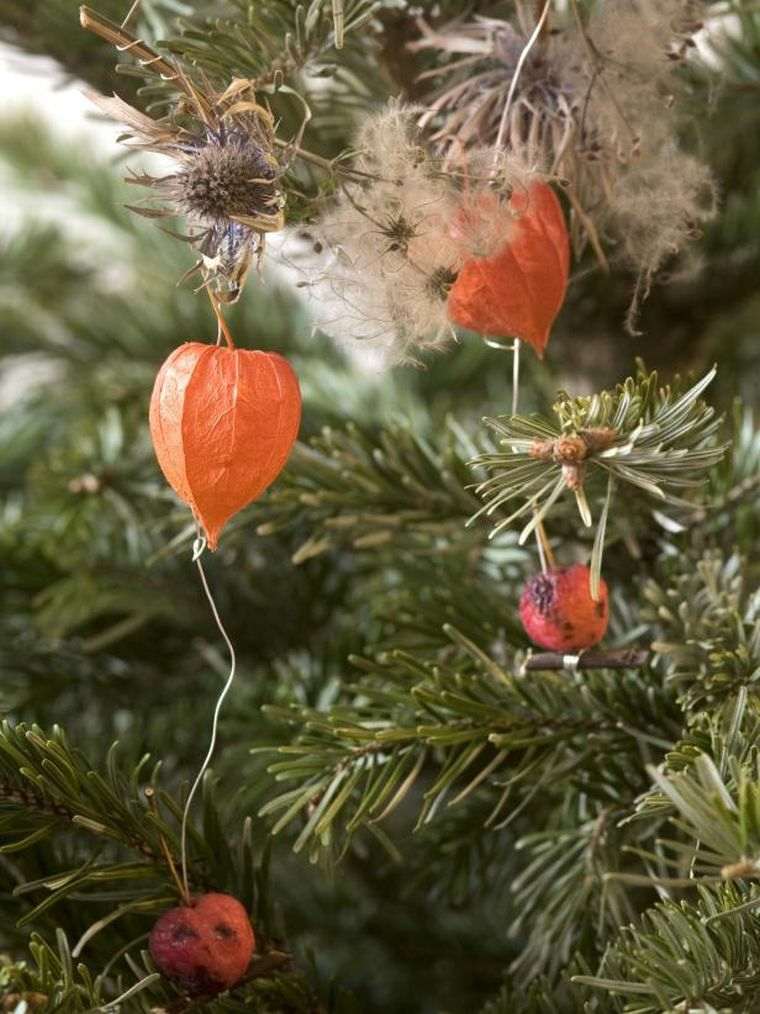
(394, 240)
(206, 946)
(557, 610)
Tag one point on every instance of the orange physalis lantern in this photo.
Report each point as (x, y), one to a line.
(223, 422)
(519, 290)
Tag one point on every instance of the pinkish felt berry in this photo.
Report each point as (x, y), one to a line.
(557, 610)
(206, 946)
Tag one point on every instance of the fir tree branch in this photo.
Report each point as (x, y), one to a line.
(65, 788)
(474, 726)
(709, 629)
(19, 795)
(683, 956)
(718, 810)
(373, 491)
(69, 795)
(566, 897)
(657, 440)
(273, 43)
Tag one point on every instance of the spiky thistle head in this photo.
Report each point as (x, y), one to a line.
(226, 180)
(466, 108)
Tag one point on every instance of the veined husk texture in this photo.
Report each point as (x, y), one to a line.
(223, 422)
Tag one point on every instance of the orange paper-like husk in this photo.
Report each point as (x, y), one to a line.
(223, 422)
(519, 291)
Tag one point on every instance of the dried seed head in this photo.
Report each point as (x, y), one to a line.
(400, 232)
(396, 240)
(466, 106)
(570, 449)
(598, 438)
(440, 281)
(226, 182)
(595, 103)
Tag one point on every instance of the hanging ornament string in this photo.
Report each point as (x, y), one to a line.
(130, 14)
(545, 553)
(515, 375)
(515, 347)
(198, 547)
(516, 77)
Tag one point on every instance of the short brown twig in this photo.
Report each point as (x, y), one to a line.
(628, 658)
(150, 795)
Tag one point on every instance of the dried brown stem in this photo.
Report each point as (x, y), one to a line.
(150, 795)
(124, 42)
(329, 165)
(223, 329)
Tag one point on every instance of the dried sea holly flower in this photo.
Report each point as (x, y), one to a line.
(226, 180)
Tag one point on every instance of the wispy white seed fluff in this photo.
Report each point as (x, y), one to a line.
(392, 245)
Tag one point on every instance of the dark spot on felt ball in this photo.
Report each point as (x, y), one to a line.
(568, 627)
(201, 983)
(183, 932)
(224, 931)
(542, 591)
(599, 608)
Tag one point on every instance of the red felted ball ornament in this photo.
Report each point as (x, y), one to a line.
(557, 610)
(518, 292)
(206, 946)
(223, 422)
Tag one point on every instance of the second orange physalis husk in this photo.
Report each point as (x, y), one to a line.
(518, 291)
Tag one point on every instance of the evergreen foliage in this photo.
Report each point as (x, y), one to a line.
(415, 821)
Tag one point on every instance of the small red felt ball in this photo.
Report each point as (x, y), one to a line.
(557, 610)
(206, 946)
